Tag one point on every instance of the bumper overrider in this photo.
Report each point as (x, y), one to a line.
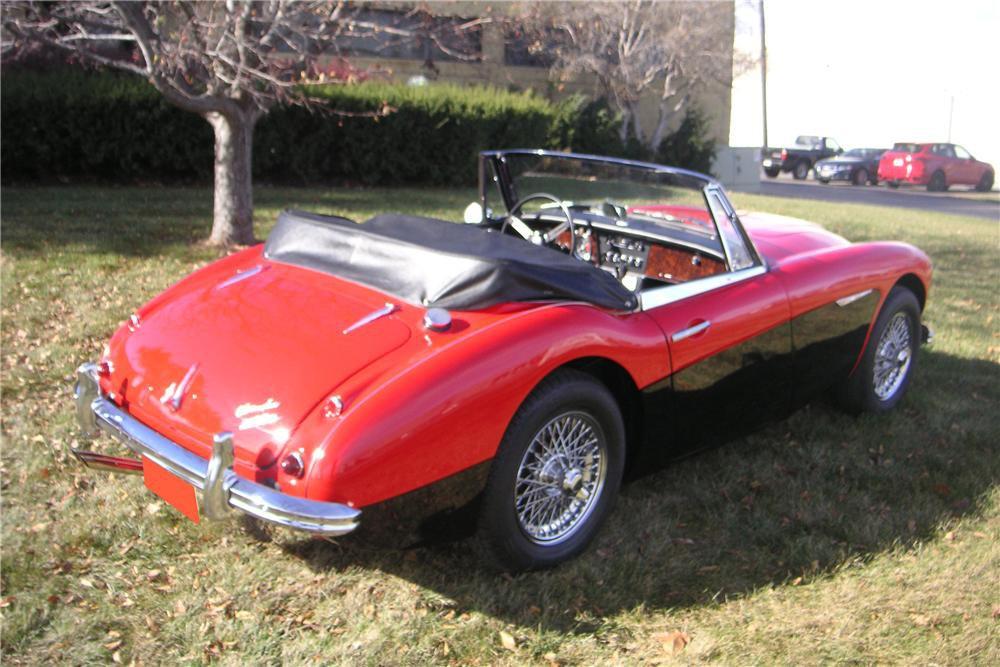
(219, 489)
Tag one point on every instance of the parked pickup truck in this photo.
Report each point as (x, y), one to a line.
(800, 158)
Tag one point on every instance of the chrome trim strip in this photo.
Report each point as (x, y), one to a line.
(313, 516)
(848, 300)
(387, 309)
(690, 331)
(661, 296)
(242, 275)
(182, 387)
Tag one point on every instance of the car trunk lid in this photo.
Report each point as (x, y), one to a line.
(252, 354)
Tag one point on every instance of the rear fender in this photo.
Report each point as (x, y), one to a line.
(449, 409)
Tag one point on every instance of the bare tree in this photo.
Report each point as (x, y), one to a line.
(635, 46)
(228, 61)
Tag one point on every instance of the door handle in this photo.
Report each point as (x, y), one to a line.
(690, 331)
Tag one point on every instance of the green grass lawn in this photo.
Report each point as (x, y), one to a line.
(820, 539)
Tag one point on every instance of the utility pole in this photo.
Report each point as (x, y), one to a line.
(763, 71)
(951, 115)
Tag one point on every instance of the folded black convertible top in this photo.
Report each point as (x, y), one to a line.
(438, 263)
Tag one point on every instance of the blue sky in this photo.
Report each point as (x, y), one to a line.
(874, 72)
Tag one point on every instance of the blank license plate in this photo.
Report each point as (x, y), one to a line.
(171, 488)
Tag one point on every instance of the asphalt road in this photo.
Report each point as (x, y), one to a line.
(960, 202)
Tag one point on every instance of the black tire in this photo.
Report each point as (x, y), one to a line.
(860, 177)
(937, 182)
(985, 183)
(772, 172)
(503, 535)
(893, 184)
(874, 179)
(824, 181)
(858, 392)
(801, 171)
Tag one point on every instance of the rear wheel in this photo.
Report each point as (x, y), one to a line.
(893, 184)
(555, 476)
(801, 170)
(860, 177)
(824, 181)
(883, 374)
(937, 182)
(985, 183)
(772, 172)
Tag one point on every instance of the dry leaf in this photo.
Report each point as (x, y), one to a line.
(674, 642)
(507, 640)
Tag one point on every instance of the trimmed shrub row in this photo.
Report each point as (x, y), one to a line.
(107, 127)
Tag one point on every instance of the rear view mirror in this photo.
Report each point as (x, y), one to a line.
(473, 214)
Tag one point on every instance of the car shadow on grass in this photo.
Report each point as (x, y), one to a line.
(796, 501)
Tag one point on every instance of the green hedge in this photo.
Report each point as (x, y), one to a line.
(108, 127)
(72, 125)
(84, 126)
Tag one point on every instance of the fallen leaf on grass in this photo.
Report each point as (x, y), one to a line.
(996, 611)
(674, 642)
(507, 641)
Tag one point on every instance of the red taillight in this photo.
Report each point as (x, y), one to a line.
(293, 465)
(784, 154)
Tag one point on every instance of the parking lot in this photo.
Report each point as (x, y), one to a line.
(960, 201)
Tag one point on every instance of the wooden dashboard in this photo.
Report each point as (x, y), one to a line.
(677, 266)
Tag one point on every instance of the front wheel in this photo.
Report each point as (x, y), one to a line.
(883, 374)
(555, 476)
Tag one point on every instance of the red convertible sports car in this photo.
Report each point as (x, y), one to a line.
(592, 318)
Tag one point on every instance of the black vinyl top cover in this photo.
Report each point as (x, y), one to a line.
(438, 263)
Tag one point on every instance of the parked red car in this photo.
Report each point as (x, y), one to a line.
(938, 166)
(594, 318)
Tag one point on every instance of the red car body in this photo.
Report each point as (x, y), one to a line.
(937, 166)
(265, 351)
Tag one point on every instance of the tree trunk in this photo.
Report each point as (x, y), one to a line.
(232, 221)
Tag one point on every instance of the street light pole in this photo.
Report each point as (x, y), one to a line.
(951, 115)
(763, 71)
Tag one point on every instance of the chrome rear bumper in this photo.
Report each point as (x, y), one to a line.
(220, 488)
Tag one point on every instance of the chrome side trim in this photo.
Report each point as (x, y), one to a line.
(690, 331)
(387, 309)
(661, 296)
(848, 300)
(220, 486)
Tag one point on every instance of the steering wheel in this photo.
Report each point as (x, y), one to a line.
(535, 236)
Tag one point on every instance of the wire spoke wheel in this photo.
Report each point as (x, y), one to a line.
(560, 478)
(893, 357)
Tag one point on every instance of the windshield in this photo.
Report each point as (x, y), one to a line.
(609, 188)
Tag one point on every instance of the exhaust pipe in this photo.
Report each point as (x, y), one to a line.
(118, 464)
